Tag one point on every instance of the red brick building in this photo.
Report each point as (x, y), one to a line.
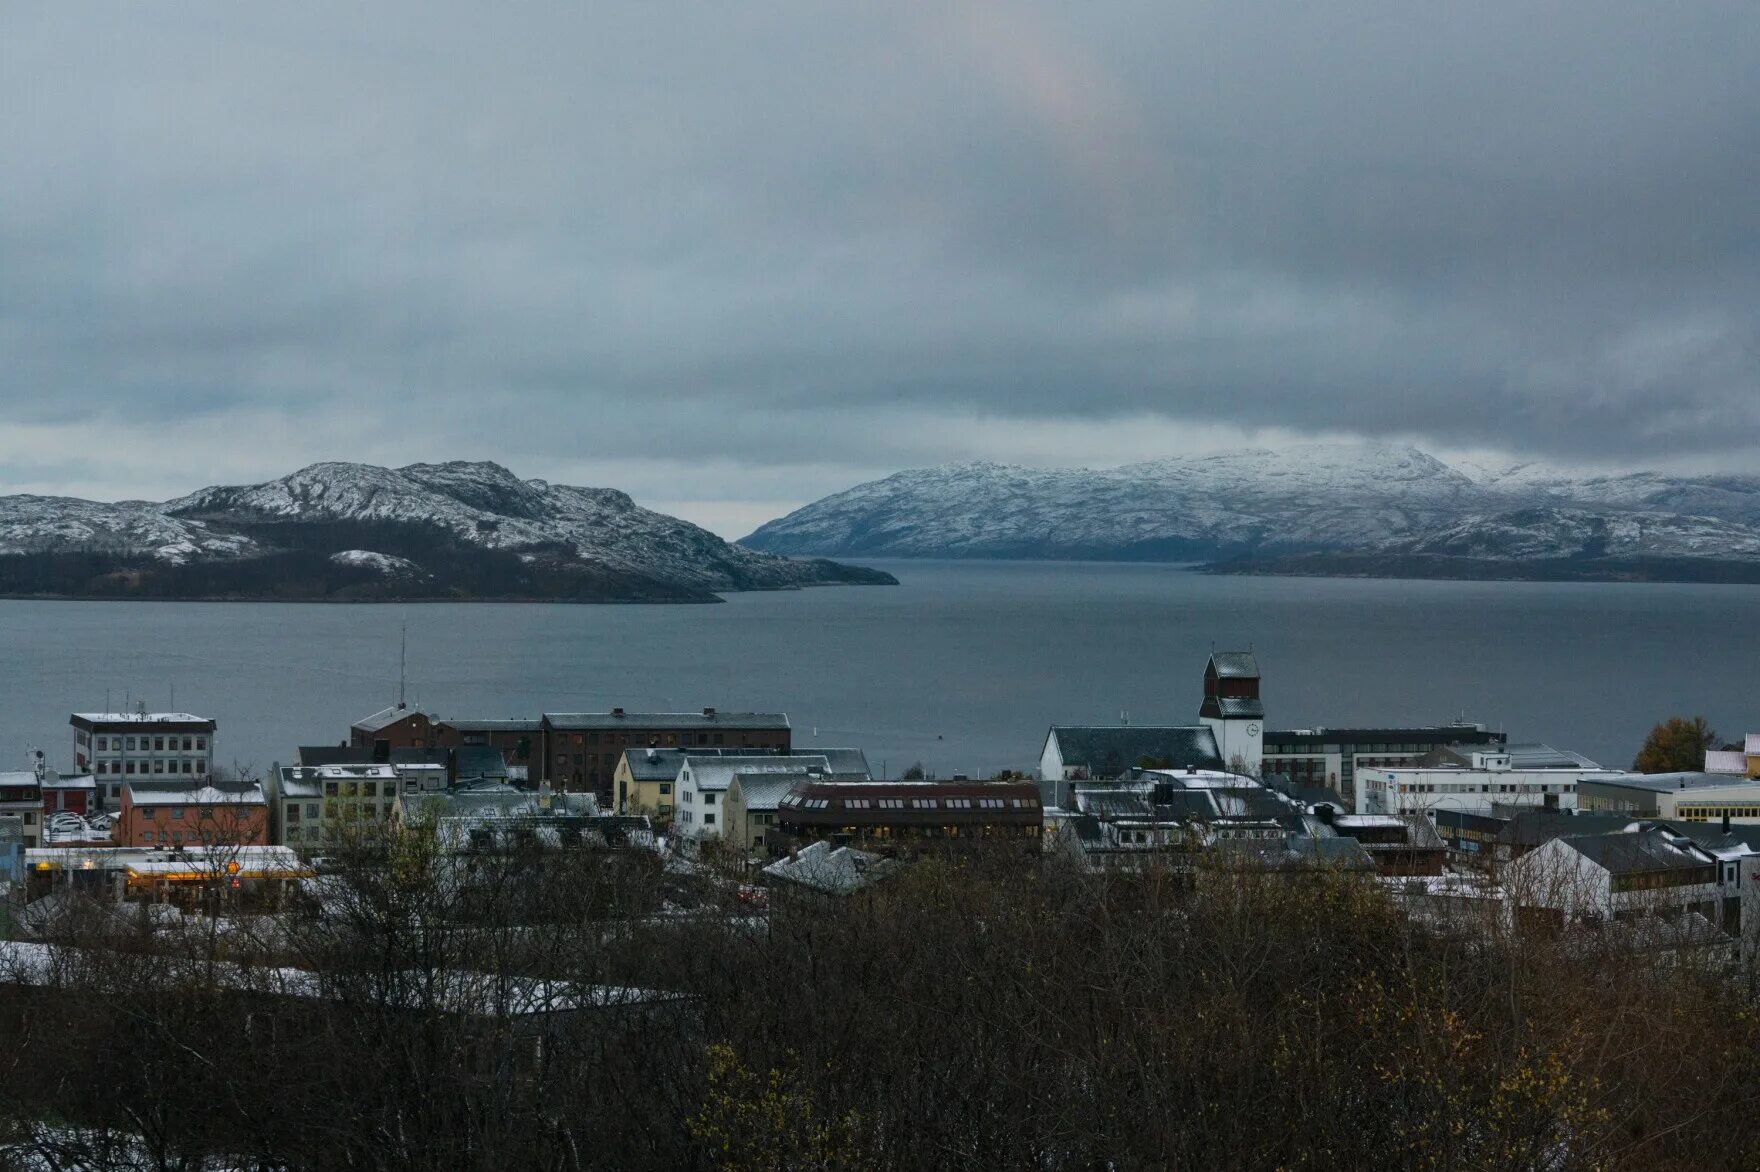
(581, 749)
(396, 727)
(169, 814)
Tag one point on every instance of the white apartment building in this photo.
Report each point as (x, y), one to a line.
(703, 780)
(1519, 775)
(116, 746)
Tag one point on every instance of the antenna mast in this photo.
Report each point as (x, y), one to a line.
(402, 662)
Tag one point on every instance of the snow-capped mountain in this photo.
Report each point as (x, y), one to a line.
(1275, 503)
(460, 529)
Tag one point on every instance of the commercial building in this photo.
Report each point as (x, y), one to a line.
(1332, 757)
(115, 746)
(581, 749)
(907, 815)
(1683, 797)
(1472, 778)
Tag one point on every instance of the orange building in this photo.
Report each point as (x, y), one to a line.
(168, 814)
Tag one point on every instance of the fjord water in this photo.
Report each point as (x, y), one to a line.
(962, 666)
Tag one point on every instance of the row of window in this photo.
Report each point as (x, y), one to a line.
(197, 766)
(1710, 813)
(691, 816)
(152, 744)
(913, 803)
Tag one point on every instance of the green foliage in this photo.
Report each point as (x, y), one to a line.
(771, 1122)
(1677, 745)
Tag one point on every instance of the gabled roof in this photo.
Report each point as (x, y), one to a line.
(1731, 761)
(1235, 665)
(182, 793)
(1237, 706)
(1751, 744)
(386, 717)
(1648, 850)
(717, 772)
(762, 791)
(834, 871)
(1114, 749)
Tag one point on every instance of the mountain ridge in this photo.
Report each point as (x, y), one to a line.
(1256, 506)
(460, 529)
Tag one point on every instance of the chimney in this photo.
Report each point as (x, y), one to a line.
(709, 712)
(617, 712)
(653, 753)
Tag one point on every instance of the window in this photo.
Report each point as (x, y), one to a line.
(103, 743)
(158, 767)
(207, 811)
(201, 766)
(177, 811)
(293, 813)
(186, 744)
(666, 788)
(159, 744)
(201, 744)
(103, 767)
(177, 836)
(708, 819)
(188, 766)
(129, 741)
(369, 789)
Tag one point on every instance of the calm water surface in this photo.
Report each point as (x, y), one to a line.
(961, 667)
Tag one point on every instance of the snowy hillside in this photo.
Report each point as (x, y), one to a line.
(1270, 503)
(459, 528)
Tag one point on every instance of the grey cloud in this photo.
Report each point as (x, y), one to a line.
(805, 237)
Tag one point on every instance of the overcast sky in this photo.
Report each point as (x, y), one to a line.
(731, 257)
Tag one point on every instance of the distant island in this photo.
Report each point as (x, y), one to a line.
(1338, 510)
(359, 533)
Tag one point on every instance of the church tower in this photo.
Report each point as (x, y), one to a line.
(1232, 709)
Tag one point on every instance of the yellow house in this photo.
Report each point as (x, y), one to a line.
(750, 806)
(645, 780)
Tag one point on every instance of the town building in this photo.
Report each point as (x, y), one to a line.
(822, 868)
(11, 854)
(501, 819)
(397, 727)
(115, 746)
(1673, 797)
(256, 876)
(1233, 711)
(166, 813)
(703, 781)
(907, 815)
(750, 805)
(1504, 832)
(74, 795)
(517, 738)
(21, 797)
(1474, 778)
(581, 749)
(1399, 844)
(1602, 878)
(1332, 757)
(313, 805)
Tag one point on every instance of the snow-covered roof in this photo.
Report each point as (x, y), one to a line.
(834, 870)
(386, 717)
(1751, 744)
(572, 721)
(1731, 761)
(709, 773)
(141, 717)
(158, 793)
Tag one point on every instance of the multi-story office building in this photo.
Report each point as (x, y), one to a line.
(115, 747)
(1331, 757)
